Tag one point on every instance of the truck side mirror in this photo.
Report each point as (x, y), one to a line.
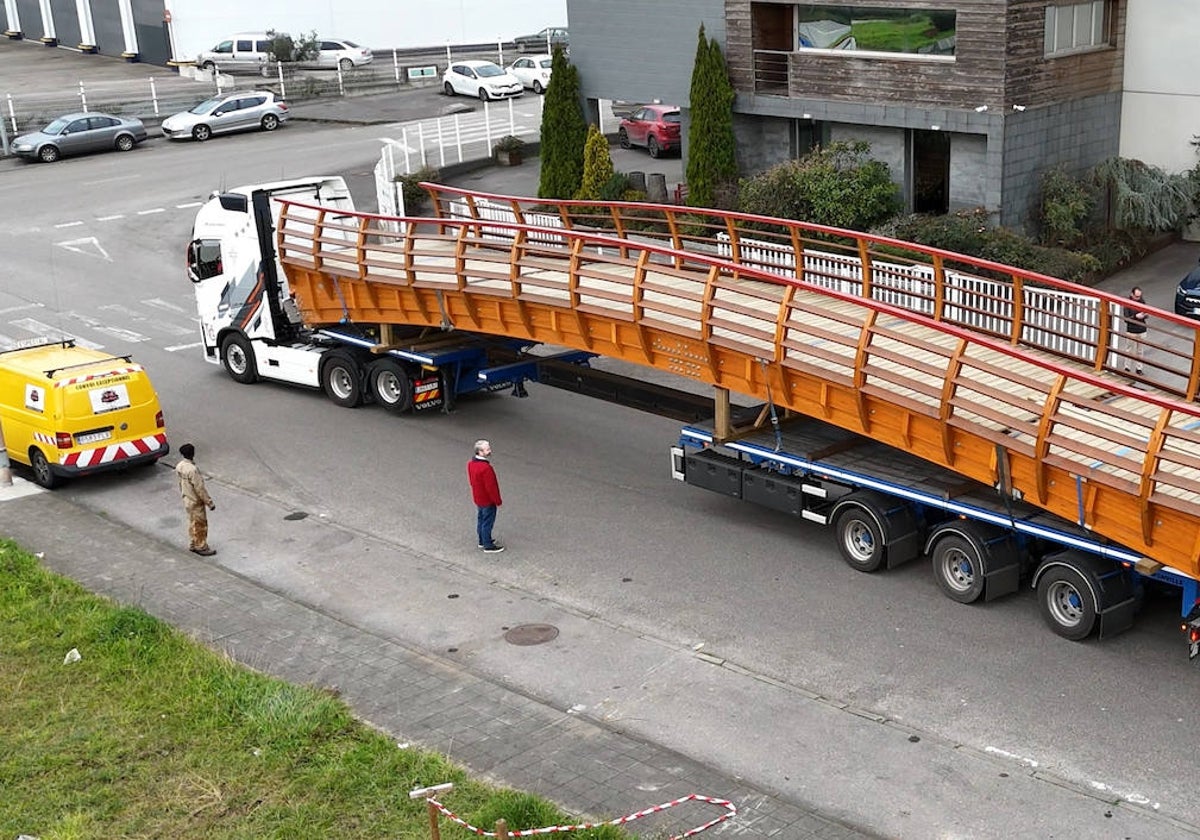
(234, 202)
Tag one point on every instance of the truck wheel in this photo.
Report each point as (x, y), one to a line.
(42, 474)
(1067, 603)
(341, 379)
(391, 386)
(958, 569)
(860, 539)
(238, 358)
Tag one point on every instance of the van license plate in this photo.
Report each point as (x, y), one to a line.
(93, 437)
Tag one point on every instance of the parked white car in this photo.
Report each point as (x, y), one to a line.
(480, 78)
(533, 71)
(338, 52)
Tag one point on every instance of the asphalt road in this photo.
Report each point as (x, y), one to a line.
(94, 247)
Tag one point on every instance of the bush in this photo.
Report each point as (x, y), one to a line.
(597, 166)
(1066, 205)
(415, 197)
(564, 131)
(283, 47)
(837, 186)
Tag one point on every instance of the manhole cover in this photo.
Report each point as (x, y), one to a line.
(531, 634)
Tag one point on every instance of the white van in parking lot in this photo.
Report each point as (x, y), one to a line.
(247, 50)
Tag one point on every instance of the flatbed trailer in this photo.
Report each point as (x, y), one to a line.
(888, 507)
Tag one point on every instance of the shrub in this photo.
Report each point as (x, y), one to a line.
(597, 166)
(415, 197)
(509, 143)
(712, 160)
(1066, 205)
(837, 185)
(564, 131)
(284, 48)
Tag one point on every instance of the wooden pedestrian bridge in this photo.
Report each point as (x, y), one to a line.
(1014, 379)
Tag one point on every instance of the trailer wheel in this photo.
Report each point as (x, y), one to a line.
(43, 476)
(958, 569)
(1067, 603)
(341, 379)
(391, 386)
(238, 358)
(860, 539)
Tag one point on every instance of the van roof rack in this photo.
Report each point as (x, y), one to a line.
(126, 359)
(34, 343)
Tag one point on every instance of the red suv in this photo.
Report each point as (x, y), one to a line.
(654, 126)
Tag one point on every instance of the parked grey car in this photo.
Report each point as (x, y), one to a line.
(239, 111)
(73, 134)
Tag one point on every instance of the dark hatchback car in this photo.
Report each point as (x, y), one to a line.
(654, 126)
(75, 134)
(1187, 296)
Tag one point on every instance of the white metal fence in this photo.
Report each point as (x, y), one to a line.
(1058, 321)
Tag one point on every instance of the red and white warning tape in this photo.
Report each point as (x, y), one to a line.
(730, 811)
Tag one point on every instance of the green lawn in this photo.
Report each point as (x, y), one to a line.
(150, 734)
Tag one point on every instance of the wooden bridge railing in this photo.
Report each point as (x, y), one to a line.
(1073, 437)
(1021, 307)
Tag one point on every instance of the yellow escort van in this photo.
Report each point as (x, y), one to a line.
(67, 411)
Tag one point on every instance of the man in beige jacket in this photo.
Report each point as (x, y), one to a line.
(195, 500)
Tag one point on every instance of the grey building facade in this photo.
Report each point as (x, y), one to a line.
(968, 101)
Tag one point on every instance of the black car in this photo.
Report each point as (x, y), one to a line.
(1187, 296)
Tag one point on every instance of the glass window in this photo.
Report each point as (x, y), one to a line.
(877, 30)
(204, 259)
(1075, 27)
(224, 47)
(245, 46)
(78, 125)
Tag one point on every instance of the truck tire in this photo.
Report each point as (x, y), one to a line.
(860, 538)
(238, 358)
(1067, 603)
(342, 379)
(43, 476)
(958, 569)
(391, 386)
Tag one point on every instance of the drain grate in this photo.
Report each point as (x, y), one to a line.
(531, 634)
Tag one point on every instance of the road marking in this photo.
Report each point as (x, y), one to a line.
(188, 205)
(152, 212)
(20, 307)
(84, 246)
(123, 335)
(110, 180)
(52, 333)
(184, 346)
(69, 224)
(159, 303)
(111, 218)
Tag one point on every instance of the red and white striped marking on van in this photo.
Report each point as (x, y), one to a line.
(75, 380)
(42, 437)
(113, 452)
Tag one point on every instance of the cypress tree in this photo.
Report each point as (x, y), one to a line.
(564, 131)
(712, 148)
(597, 165)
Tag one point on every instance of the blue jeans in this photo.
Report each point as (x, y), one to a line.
(483, 525)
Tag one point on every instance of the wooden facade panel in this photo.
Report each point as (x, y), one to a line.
(999, 55)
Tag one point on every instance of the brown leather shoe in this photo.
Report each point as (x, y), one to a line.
(204, 552)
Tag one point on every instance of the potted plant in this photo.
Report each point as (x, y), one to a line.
(508, 150)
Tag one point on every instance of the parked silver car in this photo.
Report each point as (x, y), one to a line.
(239, 111)
(337, 52)
(73, 134)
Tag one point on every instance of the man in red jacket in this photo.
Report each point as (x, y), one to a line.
(485, 489)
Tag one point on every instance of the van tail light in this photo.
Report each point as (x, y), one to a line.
(63, 440)
(158, 419)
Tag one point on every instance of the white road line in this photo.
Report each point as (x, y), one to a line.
(188, 205)
(159, 303)
(21, 307)
(122, 335)
(110, 218)
(152, 212)
(184, 346)
(79, 246)
(69, 224)
(53, 333)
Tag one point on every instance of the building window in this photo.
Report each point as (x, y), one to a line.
(1076, 28)
(868, 29)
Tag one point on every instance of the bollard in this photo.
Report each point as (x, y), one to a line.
(396, 65)
(501, 829)
(82, 96)
(283, 90)
(154, 96)
(12, 115)
(656, 188)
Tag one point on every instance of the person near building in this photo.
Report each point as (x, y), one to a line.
(1135, 331)
(485, 490)
(196, 501)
